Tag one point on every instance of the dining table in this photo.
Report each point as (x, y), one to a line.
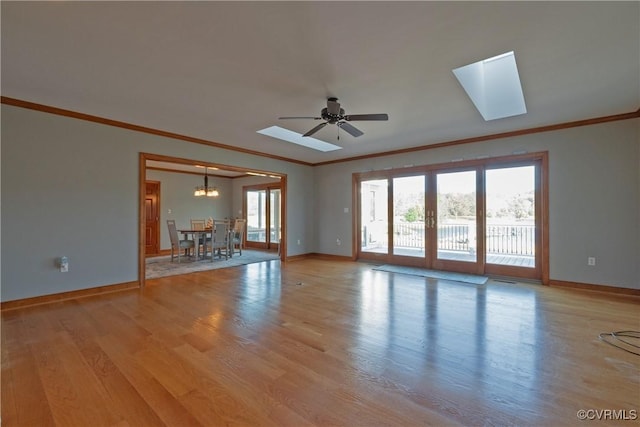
(200, 235)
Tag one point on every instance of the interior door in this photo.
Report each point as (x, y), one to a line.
(152, 218)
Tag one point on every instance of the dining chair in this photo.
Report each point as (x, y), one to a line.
(200, 224)
(237, 236)
(177, 244)
(220, 239)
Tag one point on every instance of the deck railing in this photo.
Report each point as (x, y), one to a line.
(511, 239)
(508, 239)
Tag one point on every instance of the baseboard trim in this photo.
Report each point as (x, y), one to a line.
(316, 255)
(297, 257)
(330, 257)
(596, 288)
(64, 296)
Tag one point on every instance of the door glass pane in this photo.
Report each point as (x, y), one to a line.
(456, 216)
(256, 216)
(274, 209)
(374, 233)
(510, 230)
(408, 216)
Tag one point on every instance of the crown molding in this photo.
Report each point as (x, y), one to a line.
(96, 119)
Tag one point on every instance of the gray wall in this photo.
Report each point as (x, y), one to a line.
(594, 206)
(238, 183)
(70, 187)
(177, 201)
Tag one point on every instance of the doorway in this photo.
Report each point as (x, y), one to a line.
(152, 218)
(479, 217)
(180, 164)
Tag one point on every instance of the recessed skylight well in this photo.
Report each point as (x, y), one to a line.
(297, 138)
(494, 86)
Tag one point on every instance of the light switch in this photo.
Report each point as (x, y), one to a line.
(63, 263)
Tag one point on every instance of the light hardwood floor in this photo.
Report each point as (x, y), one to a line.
(317, 342)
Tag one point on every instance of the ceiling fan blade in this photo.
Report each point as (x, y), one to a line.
(315, 129)
(311, 118)
(333, 106)
(350, 129)
(363, 117)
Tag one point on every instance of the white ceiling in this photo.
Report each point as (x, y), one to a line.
(220, 71)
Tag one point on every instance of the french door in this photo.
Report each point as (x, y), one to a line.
(455, 219)
(262, 204)
(474, 217)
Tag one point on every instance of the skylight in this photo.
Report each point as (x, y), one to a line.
(494, 86)
(297, 138)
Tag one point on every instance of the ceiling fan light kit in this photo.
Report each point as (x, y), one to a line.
(334, 114)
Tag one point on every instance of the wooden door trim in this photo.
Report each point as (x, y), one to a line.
(142, 191)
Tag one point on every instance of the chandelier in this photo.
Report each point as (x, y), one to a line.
(205, 190)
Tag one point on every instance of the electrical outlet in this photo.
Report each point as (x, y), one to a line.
(591, 261)
(298, 241)
(338, 242)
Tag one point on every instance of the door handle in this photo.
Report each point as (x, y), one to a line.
(431, 220)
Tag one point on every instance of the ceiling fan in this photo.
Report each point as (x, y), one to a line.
(334, 114)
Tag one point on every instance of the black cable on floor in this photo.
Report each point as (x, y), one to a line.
(613, 338)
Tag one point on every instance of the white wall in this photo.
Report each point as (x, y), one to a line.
(70, 187)
(594, 197)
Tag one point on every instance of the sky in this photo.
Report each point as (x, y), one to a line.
(504, 181)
